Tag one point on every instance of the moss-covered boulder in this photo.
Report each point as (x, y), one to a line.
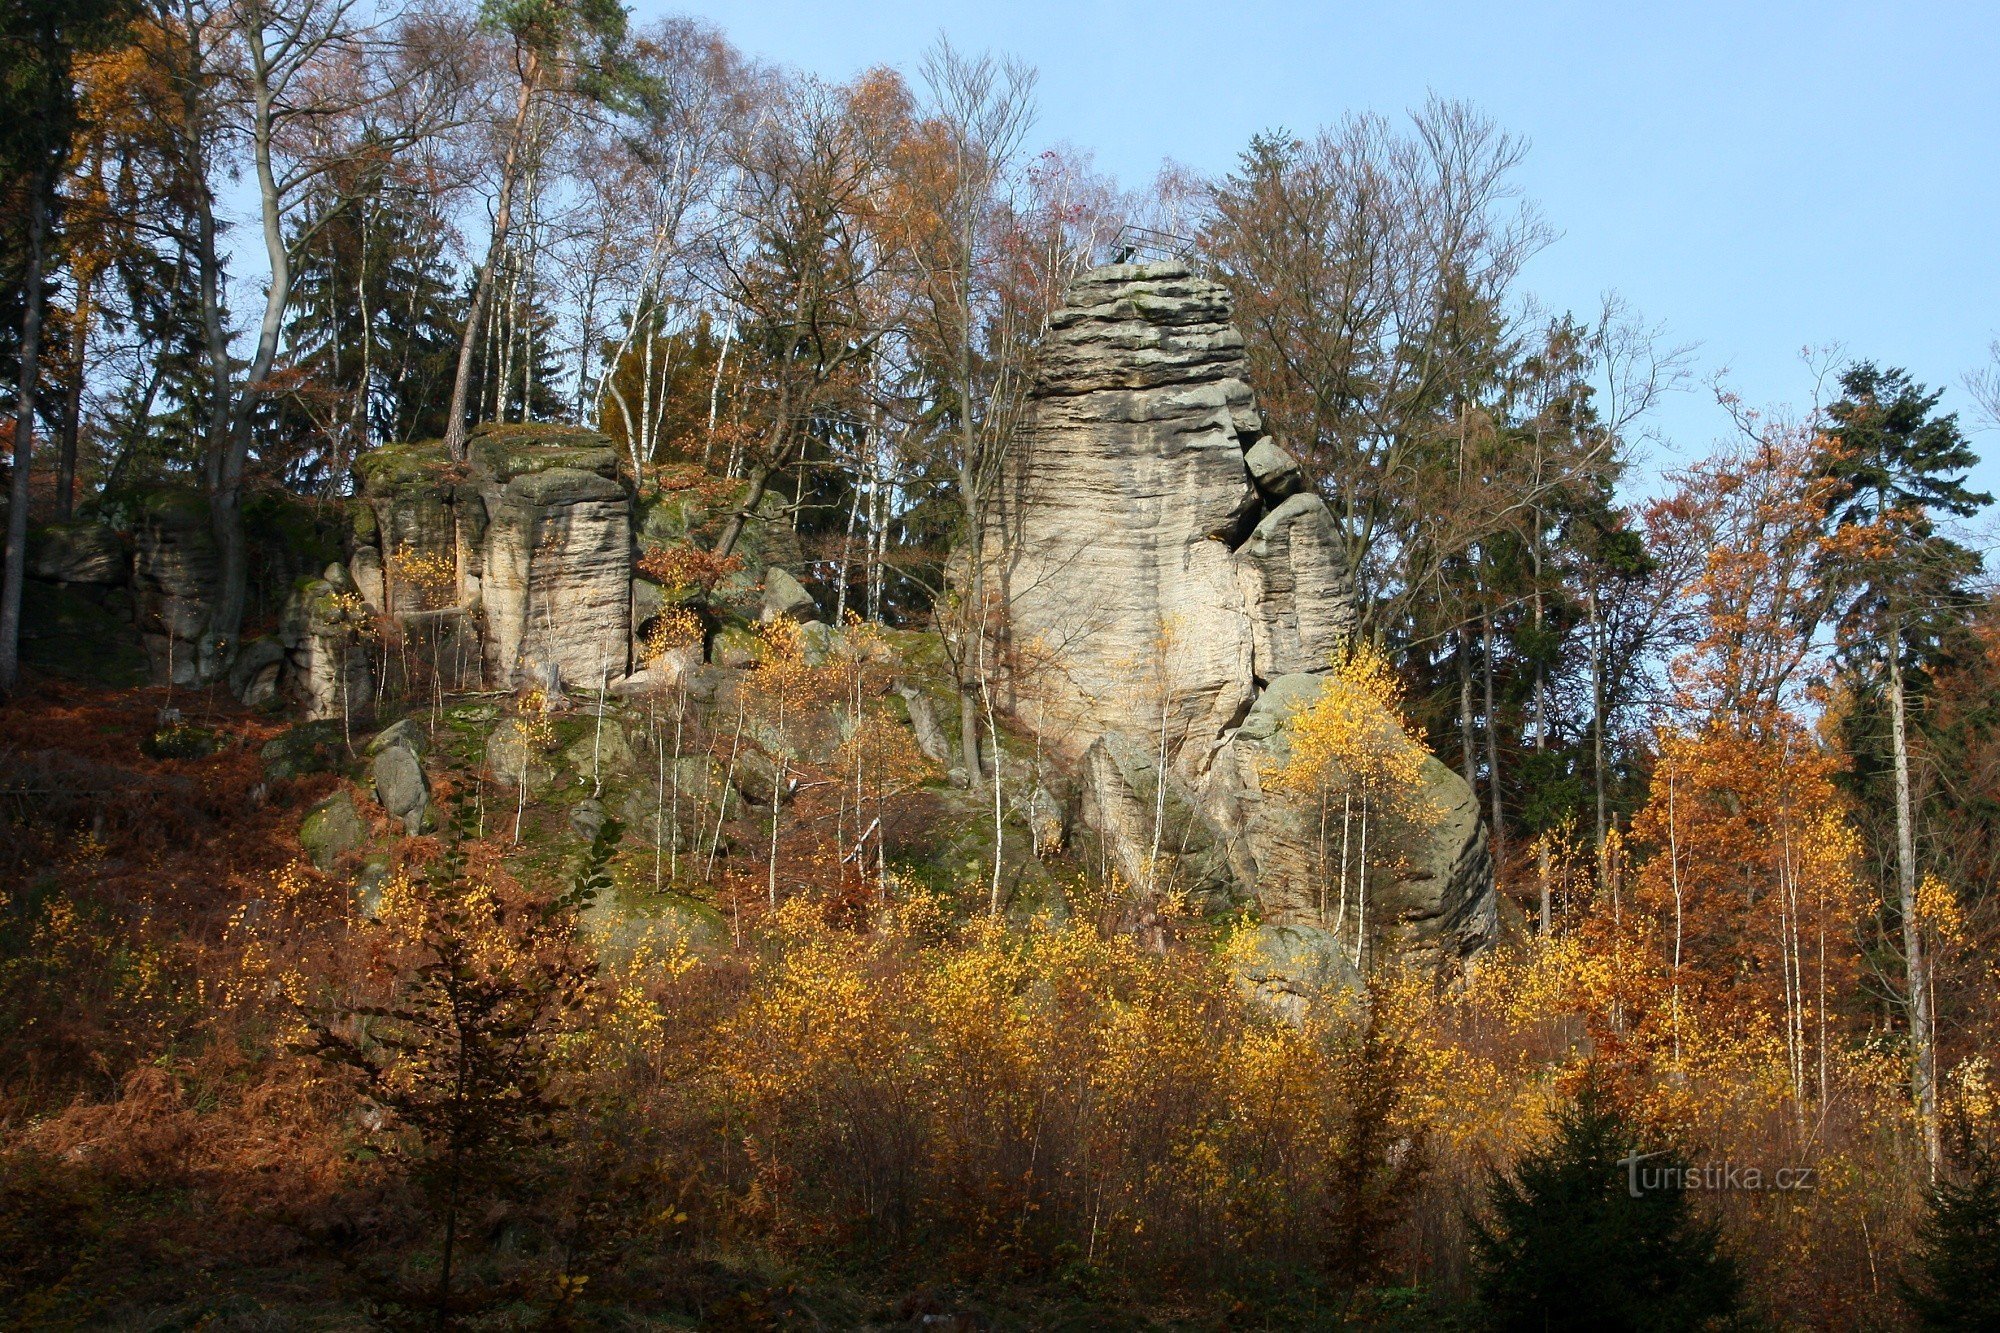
(87, 553)
(332, 829)
(310, 747)
(515, 756)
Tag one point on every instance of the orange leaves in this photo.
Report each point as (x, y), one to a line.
(688, 567)
(1752, 876)
(1742, 532)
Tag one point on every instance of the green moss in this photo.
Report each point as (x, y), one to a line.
(389, 468)
(511, 451)
(310, 747)
(183, 740)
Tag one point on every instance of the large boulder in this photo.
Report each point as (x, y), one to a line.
(310, 747)
(401, 787)
(1274, 471)
(515, 756)
(522, 555)
(785, 598)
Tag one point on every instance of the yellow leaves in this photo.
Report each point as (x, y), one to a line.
(535, 720)
(1354, 735)
(1938, 910)
(1972, 1086)
(675, 627)
(432, 575)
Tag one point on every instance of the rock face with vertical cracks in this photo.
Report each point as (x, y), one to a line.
(534, 539)
(1170, 587)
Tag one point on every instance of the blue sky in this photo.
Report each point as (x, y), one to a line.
(1761, 177)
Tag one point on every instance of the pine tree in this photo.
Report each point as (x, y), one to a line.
(374, 327)
(1575, 1243)
(465, 1054)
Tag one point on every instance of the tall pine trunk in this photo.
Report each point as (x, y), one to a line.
(1492, 744)
(72, 410)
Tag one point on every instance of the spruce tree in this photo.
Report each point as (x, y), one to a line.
(1953, 1280)
(1895, 466)
(1572, 1244)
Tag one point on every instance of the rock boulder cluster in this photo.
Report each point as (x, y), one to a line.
(1173, 590)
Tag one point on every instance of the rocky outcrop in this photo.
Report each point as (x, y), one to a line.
(1172, 587)
(176, 571)
(557, 558)
(322, 630)
(523, 556)
(1113, 542)
(1432, 897)
(78, 553)
(1295, 590)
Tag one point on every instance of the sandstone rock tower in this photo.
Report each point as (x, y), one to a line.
(1171, 586)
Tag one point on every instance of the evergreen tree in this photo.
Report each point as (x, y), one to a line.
(1576, 1242)
(1894, 465)
(1954, 1277)
(374, 327)
(516, 369)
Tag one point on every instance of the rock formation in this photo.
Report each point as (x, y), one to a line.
(175, 576)
(537, 534)
(1170, 587)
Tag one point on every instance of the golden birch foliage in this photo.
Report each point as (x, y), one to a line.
(1355, 735)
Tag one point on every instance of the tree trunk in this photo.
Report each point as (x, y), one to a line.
(1923, 1046)
(760, 482)
(1492, 744)
(482, 292)
(225, 621)
(72, 413)
(1467, 745)
(24, 434)
(1601, 833)
(1541, 729)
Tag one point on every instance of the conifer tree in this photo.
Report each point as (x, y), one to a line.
(375, 323)
(1580, 1240)
(1954, 1277)
(1899, 466)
